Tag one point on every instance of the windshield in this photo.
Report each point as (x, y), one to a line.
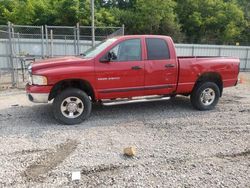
(92, 52)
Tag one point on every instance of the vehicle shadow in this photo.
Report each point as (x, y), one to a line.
(41, 116)
(144, 108)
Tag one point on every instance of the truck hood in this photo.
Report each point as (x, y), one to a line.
(54, 62)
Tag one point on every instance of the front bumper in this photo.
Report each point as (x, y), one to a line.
(38, 94)
(38, 97)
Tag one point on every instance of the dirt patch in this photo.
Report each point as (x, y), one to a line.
(29, 151)
(49, 160)
(245, 153)
(244, 110)
(104, 168)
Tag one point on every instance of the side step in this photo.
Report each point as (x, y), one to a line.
(134, 100)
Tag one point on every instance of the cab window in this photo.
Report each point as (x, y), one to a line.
(128, 50)
(157, 49)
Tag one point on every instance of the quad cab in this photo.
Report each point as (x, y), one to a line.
(128, 67)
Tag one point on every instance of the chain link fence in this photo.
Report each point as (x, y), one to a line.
(21, 44)
(6, 71)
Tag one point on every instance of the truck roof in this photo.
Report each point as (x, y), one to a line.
(139, 36)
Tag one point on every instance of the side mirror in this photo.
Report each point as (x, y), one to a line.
(112, 56)
(104, 59)
(108, 57)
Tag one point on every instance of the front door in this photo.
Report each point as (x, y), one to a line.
(123, 76)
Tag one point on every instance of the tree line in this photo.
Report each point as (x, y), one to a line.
(188, 21)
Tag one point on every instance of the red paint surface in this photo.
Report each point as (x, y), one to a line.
(122, 81)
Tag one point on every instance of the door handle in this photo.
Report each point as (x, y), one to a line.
(169, 65)
(136, 68)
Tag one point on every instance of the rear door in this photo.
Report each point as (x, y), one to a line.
(160, 67)
(123, 76)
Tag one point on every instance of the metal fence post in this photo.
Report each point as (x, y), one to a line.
(74, 40)
(247, 59)
(93, 22)
(51, 43)
(193, 50)
(15, 56)
(11, 54)
(47, 42)
(65, 46)
(219, 51)
(19, 45)
(42, 32)
(78, 38)
(13, 39)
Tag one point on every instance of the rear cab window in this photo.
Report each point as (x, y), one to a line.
(157, 49)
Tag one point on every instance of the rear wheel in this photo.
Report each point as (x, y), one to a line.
(205, 96)
(72, 106)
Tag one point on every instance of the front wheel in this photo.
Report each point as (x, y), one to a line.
(71, 106)
(205, 96)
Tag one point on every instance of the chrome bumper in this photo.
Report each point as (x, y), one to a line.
(38, 97)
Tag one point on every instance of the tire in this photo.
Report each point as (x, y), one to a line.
(205, 96)
(72, 106)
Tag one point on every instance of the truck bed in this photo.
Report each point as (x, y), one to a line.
(191, 67)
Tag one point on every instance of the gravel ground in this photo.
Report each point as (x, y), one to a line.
(177, 146)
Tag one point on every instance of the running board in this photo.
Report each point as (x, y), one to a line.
(134, 100)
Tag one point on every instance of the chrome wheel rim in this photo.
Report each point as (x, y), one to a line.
(72, 107)
(207, 96)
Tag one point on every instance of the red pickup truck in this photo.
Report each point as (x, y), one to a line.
(127, 67)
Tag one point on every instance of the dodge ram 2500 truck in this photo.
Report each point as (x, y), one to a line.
(127, 67)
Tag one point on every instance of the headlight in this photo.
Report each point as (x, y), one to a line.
(39, 80)
(30, 68)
